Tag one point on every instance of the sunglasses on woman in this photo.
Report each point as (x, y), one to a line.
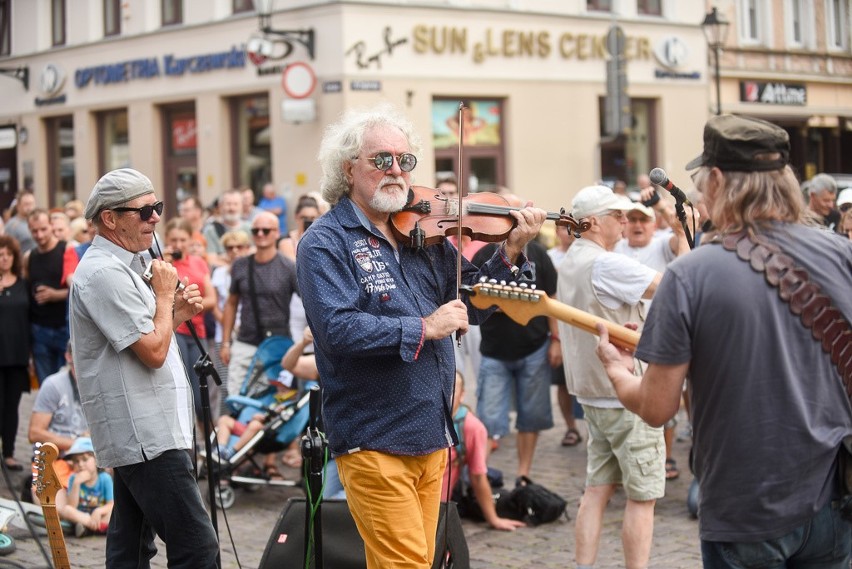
(384, 161)
(145, 212)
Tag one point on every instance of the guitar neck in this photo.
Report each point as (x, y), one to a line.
(56, 537)
(619, 335)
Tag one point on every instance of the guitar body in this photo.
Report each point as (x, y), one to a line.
(47, 485)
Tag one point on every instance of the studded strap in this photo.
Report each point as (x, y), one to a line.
(804, 297)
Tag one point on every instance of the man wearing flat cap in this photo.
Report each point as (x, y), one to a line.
(770, 410)
(133, 387)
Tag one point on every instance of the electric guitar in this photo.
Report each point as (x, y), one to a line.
(522, 304)
(47, 484)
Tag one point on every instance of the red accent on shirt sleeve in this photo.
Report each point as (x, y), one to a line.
(422, 337)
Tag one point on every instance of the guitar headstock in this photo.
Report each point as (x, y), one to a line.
(520, 302)
(46, 482)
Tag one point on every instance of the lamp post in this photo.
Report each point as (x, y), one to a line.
(715, 29)
(264, 15)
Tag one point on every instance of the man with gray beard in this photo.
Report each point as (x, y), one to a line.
(383, 315)
(230, 219)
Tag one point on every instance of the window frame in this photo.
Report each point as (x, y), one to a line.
(643, 10)
(60, 22)
(177, 10)
(112, 28)
(5, 27)
(595, 6)
(761, 16)
(242, 6)
(835, 22)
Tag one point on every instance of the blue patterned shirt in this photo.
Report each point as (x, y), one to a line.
(385, 388)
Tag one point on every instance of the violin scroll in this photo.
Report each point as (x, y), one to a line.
(574, 226)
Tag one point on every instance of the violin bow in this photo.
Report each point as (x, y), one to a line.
(462, 191)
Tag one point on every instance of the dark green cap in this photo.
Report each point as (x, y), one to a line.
(731, 143)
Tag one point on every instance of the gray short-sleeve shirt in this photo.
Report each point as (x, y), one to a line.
(134, 412)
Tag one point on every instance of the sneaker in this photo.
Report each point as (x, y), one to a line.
(223, 453)
(81, 531)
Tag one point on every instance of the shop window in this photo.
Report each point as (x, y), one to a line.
(483, 154)
(112, 17)
(627, 156)
(242, 6)
(5, 27)
(172, 12)
(60, 160)
(251, 132)
(649, 7)
(114, 140)
(180, 161)
(57, 22)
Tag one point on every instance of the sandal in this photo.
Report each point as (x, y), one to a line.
(671, 469)
(272, 473)
(292, 458)
(571, 438)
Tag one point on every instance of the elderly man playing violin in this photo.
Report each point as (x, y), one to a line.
(383, 315)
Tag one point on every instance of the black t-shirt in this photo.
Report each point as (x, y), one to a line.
(15, 331)
(503, 338)
(46, 269)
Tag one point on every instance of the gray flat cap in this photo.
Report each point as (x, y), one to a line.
(117, 188)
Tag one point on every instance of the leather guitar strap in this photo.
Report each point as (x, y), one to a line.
(815, 310)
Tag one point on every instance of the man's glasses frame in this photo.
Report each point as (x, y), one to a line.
(258, 230)
(384, 161)
(145, 212)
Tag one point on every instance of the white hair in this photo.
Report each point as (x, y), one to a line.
(343, 139)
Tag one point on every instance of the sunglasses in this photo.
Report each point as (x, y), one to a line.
(845, 207)
(145, 212)
(384, 161)
(263, 230)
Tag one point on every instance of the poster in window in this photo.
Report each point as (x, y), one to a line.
(481, 123)
(183, 134)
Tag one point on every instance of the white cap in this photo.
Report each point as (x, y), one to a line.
(644, 209)
(844, 197)
(592, 200)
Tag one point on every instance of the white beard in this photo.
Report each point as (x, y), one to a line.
(387, 200)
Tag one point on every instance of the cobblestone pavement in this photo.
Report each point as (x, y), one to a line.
(253, 517)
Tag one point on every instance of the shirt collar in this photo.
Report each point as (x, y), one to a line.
(122, 254)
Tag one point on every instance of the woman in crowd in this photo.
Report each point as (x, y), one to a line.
(236, 244)
(14, 345)
(193, 267)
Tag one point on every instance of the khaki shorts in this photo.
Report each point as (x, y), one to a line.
(623, 449)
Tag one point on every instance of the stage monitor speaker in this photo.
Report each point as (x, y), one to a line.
(342, 546)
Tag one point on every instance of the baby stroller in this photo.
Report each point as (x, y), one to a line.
(287, 415)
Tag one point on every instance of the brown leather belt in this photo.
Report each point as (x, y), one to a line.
(815, 310)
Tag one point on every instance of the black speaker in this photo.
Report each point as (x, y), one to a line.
(342, 546)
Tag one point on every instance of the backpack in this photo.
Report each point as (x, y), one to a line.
(531, 503)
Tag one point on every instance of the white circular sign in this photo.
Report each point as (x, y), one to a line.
(298, 80)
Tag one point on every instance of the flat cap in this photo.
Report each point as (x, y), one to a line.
(116, 188)
(732, 143)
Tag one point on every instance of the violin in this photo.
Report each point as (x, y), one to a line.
(429, 217)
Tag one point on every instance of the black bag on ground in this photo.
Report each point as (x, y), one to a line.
(465, 497)
(531, 503)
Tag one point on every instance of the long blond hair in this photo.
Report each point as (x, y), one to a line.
(749, 200)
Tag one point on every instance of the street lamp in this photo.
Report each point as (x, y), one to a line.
(715, 29)
(264, 14)
(20, 73)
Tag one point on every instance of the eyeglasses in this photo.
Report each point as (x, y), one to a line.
(264, 230)
(616, 213)
(145, 212)
(639, 219)
(384, 161)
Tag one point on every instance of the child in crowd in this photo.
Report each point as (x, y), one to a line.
(89, 499)
(473, 443)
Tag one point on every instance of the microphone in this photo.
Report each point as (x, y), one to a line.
(148, 274)
(659, 178)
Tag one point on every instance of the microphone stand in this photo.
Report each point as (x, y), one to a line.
(313, 456)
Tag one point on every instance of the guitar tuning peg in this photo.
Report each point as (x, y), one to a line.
(524, 285)
(503, 283)
(483, 279)
(492, 281)
(532, 287)
(513, 283)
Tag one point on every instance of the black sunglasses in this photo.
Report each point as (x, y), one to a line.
(845, 207)
(145, 212)
(259, 230)
(384, 161)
